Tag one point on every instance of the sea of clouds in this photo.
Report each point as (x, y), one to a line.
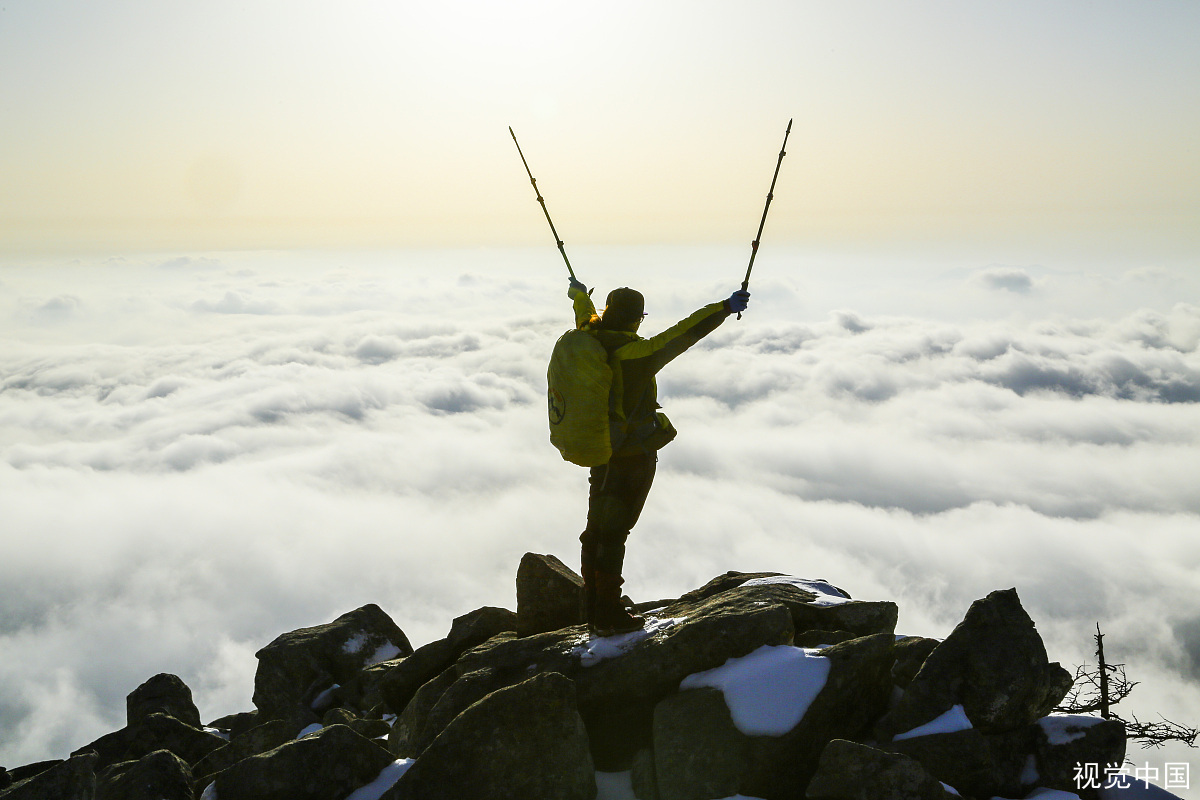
(199, 452)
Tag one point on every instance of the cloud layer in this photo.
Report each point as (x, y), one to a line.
(200, 453)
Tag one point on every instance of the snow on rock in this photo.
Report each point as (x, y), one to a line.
(615, 786)
(827, 593)
(384, 652)
(953, 720)
(1065, 728)
(768, 691)
(387, 778)
(316, 726)
(597, 649)
(356, 643)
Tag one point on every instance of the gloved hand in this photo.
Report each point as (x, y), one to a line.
(577, 285)
(738, 301)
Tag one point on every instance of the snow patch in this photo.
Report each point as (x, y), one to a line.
(827, 594)
(324, 699)
(355, 643)
(615, 786)
(385, 652)
(768, 691)
(385, 780)
(210, 792)
(953, 720)
(1066, 728)
(316, 726)
(597, 649)
(1029, 775)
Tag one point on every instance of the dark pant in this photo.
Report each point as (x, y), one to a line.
(617, 493)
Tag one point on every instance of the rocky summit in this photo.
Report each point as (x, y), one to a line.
(756, 684)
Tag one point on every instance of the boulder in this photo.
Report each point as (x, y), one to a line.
(815, 605)
(548, 595)
(619, 680)
(408, 737)
(993, 664)
(160, 775)
(526, 740)
(643, 775)
(253, 742)
(851, 771)
(324, 765)
(911, 652)
(236, 724)
(154, 732)
(700, 750)
(297, 666)
(73, 779)
(398, 685)
(1062, 742)
(162, 694)
(977, 764)
(17, 774)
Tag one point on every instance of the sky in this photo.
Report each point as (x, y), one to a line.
(276, 301)
(132, 125)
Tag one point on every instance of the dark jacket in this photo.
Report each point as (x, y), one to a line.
(635, 423)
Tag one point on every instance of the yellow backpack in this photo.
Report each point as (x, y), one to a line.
(578, 382)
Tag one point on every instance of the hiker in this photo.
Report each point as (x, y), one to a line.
(637, 429)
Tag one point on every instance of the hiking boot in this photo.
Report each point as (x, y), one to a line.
(608, 615)
(609, 620)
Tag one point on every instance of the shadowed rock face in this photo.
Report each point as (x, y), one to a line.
(993, 664)
(488, 712)
(295, 667)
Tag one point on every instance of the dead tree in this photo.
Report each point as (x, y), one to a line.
(1099, 689)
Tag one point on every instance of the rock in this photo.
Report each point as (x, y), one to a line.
(253, 742)
(1062, 742)
(977, 764)
(617, 695)
(162, 694)
(643, 776)
(698, 751)
(911, 652)
(548, 595)
(297, 666)
(155, 732)
(325, 765)
(993, 664)
(160, 775)
(73, 779)
(851, 771)
(408, 738)
(526, 740)
(17, 774)
(237, 724)
(398, 685)
(809, 611)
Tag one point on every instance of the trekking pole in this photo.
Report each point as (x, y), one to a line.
(770, 194)
(533, 180)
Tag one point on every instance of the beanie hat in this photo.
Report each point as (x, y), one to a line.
(623, 307)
